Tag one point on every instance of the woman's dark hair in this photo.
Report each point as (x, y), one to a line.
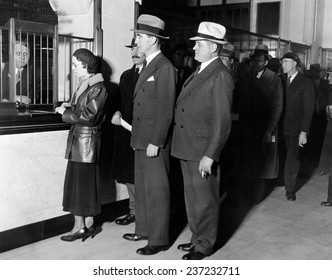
(88, 60)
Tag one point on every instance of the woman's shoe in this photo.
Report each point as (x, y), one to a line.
(77, 235)
(326, 203)
(92, 231)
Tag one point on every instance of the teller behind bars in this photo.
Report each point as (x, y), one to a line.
(85, 112)
(27, 76)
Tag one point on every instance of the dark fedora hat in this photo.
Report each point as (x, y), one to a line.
(315, 67)
(293, 56)
(228, 50)
(132, 44)
(261, 49)
(150, 25)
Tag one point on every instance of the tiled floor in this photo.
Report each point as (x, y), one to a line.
(276, 229)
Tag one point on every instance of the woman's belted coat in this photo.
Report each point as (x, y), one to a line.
(86, 116)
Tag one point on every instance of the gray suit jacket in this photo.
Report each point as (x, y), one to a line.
(154, 98)
(203, 114)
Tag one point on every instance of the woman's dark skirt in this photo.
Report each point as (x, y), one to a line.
(82, 193)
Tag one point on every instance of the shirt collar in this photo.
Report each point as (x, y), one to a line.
(292, 76)
(259, 74)
(152, 56)
(206, 63)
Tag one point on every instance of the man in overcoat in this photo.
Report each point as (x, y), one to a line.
(299, 107)
(201, 127)
(154, 99)
(259, 127)
(123, 154)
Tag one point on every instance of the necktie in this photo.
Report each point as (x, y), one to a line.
(144, 66)
(193, 75)
(288, 80)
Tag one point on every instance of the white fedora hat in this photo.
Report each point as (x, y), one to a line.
(151, 25)
(210, 31)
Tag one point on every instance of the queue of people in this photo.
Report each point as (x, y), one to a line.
(222, 124)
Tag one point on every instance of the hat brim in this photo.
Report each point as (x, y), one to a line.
(226, 53)
(198, 38)
(131, 46)
(148, 33)
(267, 56)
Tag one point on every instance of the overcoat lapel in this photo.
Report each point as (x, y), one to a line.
(194, 81)
(295, 82)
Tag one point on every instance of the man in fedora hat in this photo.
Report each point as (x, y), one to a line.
(259, 126)
(179, 56)
(299, 107)
(201, 127)
(123, 155)
(227, 55)
(154, 98)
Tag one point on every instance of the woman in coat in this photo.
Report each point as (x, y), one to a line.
(82, 193)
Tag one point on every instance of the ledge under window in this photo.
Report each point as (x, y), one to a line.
(16, 118)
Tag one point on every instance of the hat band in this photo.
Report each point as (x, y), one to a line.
(149, 28)
(260, 52)
(227, 52)
(209, 37)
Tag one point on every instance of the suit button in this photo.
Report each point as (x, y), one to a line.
(181, 126)
(143, 90)
(138, 119)
(138, 104)
(182, 110)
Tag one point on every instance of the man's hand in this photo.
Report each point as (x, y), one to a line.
(116, 119)
(23, 99)
(152, 150)
(205, 166)
(302, 139)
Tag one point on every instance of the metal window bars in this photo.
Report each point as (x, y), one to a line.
(38, 75)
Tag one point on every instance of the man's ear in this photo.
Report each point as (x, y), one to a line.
(214, 47)
(153, 40)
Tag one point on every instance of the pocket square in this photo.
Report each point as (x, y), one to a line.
(151, 79)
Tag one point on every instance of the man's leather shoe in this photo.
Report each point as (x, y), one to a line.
(134, 237)
(326, 203)
(194, 255)
(186, 247)
(130, 218)
(290, 196)
(151, 250)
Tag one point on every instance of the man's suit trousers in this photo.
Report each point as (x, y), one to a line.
(202, 198)
(292, 164)
(152, 196)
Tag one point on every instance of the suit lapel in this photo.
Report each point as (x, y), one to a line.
(146, 73)
(192, 82)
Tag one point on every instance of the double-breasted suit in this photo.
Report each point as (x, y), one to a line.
(201, 127)
(154, 98)
(299, 106)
